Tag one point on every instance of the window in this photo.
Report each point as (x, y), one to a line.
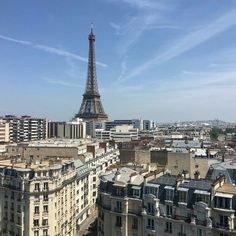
(45, 222)
(36, 233)
(169, 227)
(200, 232)
(45, 198)
(169, 194)
(223, 221)
(150, 224)
(150, 208)
(151, 190)
(45, 186)
(118, 206)
(182, 196)
(118, 221)
(45, 232)
(136, 193)
(222, 202)
(168, 210)
(119, 191)
(202, 198)
(135, 223)
(45, 208)
(36, 222)
(36, 210)
(37, 187)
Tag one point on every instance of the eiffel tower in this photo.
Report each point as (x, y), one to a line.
(91, 108)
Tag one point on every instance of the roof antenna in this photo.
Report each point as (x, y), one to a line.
(92, 27)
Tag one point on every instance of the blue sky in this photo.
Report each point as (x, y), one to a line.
(160, 60)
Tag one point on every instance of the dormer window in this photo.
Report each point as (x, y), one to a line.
(202, 196)
(183, 193)
(136, 191)
(152, 189)
(223, 200)
(169, 193)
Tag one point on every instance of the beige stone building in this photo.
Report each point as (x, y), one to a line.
(38, 199)
(50, 188)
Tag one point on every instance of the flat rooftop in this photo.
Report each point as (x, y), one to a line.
(34, 165)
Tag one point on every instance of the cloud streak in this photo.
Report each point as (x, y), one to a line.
(188, 42)
(52, 50)
(62, 83)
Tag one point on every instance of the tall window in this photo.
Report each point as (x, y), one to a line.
(135, 223)
(45, 208)
(45, 232)
(169, 227)
(36, 210)
(36, 187)
(169, 210)
(223, 221)
(118, 206)
(169, 194)
(118, 221)
(150, 224)
(150, 208)
(182, 196)
(45, 186)
(36, 222)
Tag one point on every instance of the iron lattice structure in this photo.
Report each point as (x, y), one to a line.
(91, 107)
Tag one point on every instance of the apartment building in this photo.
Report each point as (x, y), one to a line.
(37, 199)
(26, 128)
(85, 159)
(168, 205)
(4, 131)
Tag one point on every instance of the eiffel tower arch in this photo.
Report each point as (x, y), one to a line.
(91, 109)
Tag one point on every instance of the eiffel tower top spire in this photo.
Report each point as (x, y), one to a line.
(91, 107)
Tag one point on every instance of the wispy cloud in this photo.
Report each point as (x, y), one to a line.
(15, 40)
(143, 4)
(52, 50)
(62, 83)
(188, 42)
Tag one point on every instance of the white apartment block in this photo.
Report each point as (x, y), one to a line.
(26, 128)
(120, 133)
(165, 206)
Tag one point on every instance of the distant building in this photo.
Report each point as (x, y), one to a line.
(121, 133)
(4, 131)
(26, 128)
(75, 129)
(137, 124)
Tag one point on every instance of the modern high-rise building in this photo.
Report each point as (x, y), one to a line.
(26, 128)
(91, 109)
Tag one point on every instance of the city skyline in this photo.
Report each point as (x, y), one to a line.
(159, 60)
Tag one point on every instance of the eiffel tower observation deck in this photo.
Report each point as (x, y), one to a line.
(91, 108)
